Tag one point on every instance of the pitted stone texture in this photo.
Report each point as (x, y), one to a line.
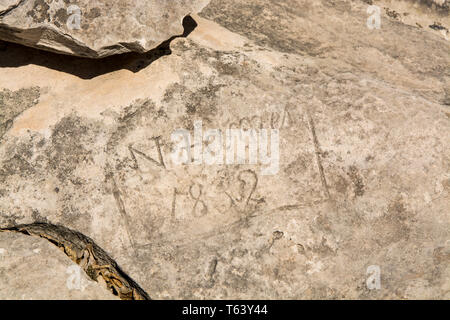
(364, 157)
(95, 28)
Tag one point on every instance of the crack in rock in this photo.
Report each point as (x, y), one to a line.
(6, 6)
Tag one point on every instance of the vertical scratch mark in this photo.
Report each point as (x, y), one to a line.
(121, 206)
(212, 268)
(158, 146)
(312, 127)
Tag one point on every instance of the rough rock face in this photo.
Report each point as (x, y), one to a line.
(360, 188)
(6, 5)
(94, 29)
(31, 268)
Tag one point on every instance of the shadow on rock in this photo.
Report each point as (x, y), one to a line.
(15, 55)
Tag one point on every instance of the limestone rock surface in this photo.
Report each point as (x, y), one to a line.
(33, 269)
(94, 29)
(362, 184)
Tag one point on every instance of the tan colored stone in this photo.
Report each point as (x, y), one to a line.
(94, 29)
(363, 177)
(33, 269)
(6, 5)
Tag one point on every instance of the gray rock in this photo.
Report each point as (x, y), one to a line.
(94, 29)
(363, 178)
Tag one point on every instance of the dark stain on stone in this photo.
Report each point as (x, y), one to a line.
(437, 26)
(60, 17)
(394, 225)
(446, 99)
(392, 13)
(93, 13)
(13, 103)
(442, 9)
(139, 113)
(357, 181)
(40, 11)
(190, 109)
(202, 102)
(67, 149)
(341, 185)
(20, 160)
(441, 254)
(254, 22)
(298, 166)
(397, 209)
(16, 165)
(38, 217)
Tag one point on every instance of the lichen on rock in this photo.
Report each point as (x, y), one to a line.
(94, 29)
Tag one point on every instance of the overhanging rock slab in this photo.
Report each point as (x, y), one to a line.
(94, 29)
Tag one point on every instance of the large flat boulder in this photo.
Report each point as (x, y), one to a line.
(361, 188)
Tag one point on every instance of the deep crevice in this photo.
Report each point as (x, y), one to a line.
(14, 55)
(86, 253)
